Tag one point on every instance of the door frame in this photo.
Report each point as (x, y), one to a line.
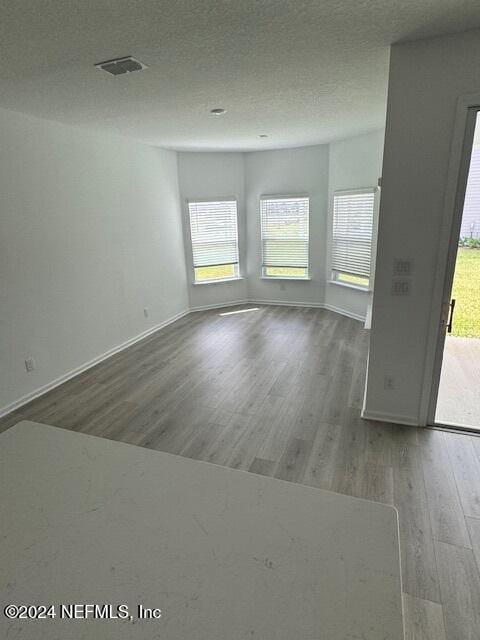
(460, 156)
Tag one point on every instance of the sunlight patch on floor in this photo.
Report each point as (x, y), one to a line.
(231, 313)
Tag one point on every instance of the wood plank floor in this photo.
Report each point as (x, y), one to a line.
(278, 391)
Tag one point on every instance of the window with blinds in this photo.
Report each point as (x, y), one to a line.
(214, 234)
(284, 226)
(353, 214)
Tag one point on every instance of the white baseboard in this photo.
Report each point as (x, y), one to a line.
(283, 303)
(344, 312)
(40, 391)
(313, 305)
(91, 363)
(288, 303)
(379, 416)
(219, 305)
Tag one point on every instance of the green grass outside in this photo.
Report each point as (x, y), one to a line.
(285, 272)
(466, 288)
(466, 291)
(221, 272)
(351, 279)
(205, 274)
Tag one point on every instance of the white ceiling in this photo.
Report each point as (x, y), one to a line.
(303, 72)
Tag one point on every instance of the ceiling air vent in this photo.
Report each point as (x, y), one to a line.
(119, 66)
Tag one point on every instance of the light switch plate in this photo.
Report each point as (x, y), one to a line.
(402, 267)
(401, 287)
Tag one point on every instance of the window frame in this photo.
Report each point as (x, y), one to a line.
(263, 267)
(335, 274)
(236, 265)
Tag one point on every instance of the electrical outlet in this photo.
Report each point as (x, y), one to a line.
(146, 312)
(389, 383)
(401, 287)
(30, 364)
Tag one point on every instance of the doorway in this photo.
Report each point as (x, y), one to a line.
(458, 399)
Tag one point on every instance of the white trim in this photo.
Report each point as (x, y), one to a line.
(433, 357)
(365, 389)
(349, 285)
(380, 416)
(281, 196)
(40, 391)
(353, 192)
(410, 421)
(218, 305)
(344, 312)
(188, 223)
(214, 199)
(264, 198)
(313, 305)
(288, 303)
(368, 318)
(219, 281)
(282, 303)
(373, 246)
(299, 279)
(17, 404)
(458, 426)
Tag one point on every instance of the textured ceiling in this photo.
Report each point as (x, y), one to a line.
(303, 72)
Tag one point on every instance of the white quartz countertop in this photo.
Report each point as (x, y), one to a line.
(225, 555)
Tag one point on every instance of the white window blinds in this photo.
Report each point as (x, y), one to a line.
(284, 222)
(352, 232)
(214, 234)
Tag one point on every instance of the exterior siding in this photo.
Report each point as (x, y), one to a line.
(471, 209)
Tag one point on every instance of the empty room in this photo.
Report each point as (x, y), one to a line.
(240, 320)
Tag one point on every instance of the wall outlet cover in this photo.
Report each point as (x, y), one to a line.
(30, 364)
(389, 383)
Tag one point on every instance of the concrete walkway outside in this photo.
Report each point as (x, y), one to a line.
(459, 392)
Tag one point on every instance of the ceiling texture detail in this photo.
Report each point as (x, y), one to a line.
(300, 72)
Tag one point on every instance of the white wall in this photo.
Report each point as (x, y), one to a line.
(426, 79)
(92, 230)
(316, 170)
(247, 176)
(90, 234)
(288, 171)
(353, 164)
(213, 175)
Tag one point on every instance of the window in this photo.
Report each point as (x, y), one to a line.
(284, 222)
(213, 227)
(352, 237)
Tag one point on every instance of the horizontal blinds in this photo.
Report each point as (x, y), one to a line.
(285, 231)
(213, 227)
(352, 231)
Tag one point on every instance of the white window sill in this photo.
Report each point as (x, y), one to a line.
(218, 281)
(350, 286)
(284, 278)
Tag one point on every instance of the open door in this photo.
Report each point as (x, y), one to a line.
(458, 357)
